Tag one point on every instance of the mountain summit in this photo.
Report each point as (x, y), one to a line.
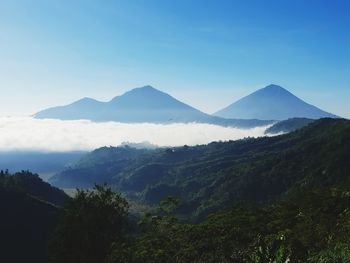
(272, 103)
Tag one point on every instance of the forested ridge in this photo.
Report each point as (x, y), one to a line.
(289, 125)
(210, 177)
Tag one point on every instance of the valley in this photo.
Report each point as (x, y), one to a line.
(264, 193)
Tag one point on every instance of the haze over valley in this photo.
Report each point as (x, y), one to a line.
(50, 135)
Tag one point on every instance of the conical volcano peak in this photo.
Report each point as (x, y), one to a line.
(147, 88)
(273, 89)
(143, 91)
(272, 103)
(274, 86)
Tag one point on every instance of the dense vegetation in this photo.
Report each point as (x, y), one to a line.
(29, 212)
(308, 226)
(289, 125)
(211, 177)
(91, 222)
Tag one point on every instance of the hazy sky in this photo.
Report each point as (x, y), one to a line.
(206, 53)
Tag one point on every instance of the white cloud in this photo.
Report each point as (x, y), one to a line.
(17, 133)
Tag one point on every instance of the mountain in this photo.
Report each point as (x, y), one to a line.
(145, 104)
(272, 103)
(211, 177)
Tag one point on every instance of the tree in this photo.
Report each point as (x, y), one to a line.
(90, 223)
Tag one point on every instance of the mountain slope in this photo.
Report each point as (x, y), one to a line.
(289, 125)
(211, 177)
(29, 212)
(85, 108)
(145, 104)
(272, 103)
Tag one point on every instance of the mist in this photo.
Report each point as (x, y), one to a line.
(48, 135)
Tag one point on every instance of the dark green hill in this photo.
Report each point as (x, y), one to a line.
(29, 212)
(210, 177)
(289, 125)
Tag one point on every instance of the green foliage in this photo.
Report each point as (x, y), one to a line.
(287, 231)
(168, 205)
(90, 223)
(337, 253)
(28, 214)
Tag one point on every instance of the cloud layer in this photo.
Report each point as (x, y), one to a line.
(55, 135)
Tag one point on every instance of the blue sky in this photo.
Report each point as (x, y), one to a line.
(206, 53)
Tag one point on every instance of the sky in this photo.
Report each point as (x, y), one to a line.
(205, 53)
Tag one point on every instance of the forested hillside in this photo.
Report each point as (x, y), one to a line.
(211, 177)
(29, 212)
(289, 125)
(308, 226)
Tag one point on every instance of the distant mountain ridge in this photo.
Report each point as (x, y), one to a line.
(274, 103)
(145, 104)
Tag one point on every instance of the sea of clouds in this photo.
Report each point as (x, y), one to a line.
(29, 134)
